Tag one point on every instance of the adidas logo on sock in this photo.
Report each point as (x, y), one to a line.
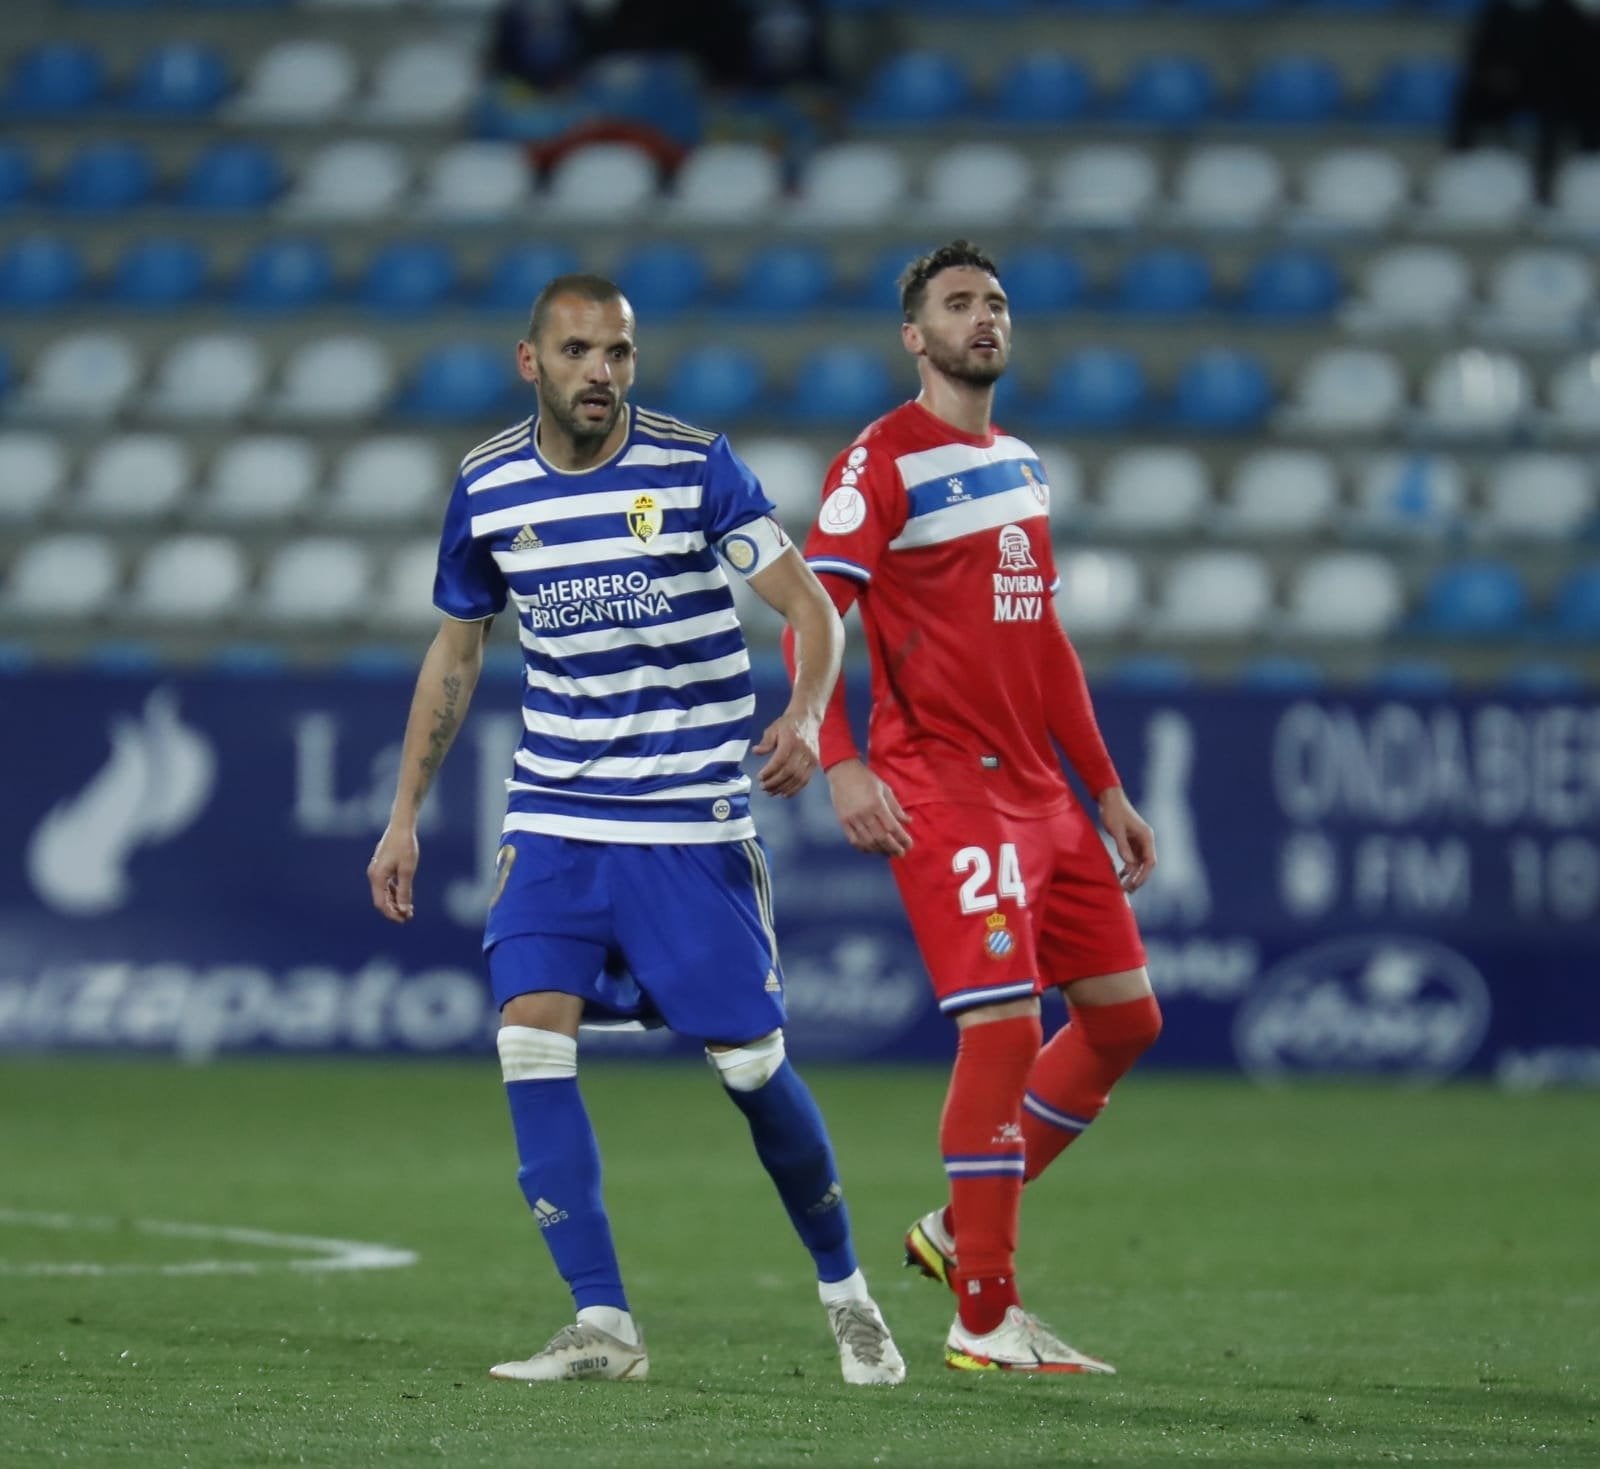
(830, 1200)
(526, 539)
(547, 1213)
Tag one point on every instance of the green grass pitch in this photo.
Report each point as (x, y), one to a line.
(1324, 1276)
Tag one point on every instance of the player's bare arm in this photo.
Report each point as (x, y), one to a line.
(791, 589)
(1136, 843)
(445, 683)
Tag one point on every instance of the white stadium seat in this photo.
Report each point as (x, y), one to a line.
(1345, 594)
(477, 180)
(389, 481)
(1539, 294)
(1104, 186)
(1411, 288)
(727, 183)
(790, 471)
(216, 376)
(189, 577)
(308, 82)
(1486, 190)
(33, 467)
(1101, 592)
(333, 378)
(262, 478)
(320, 579)
(424, 83)
(1574, 398)
(1214, 594)
(1156, 491)
(1064, 475)
(1474, 393)
(86, 378)
(991, 172)
(1228, 186)
(851, 184)
(134, 477)
(1539, 496)
(355, 179)
(403, 596)
(64, 577)
(1575, 208)
(1282, 492)
(1355, 190)
(601, 181)
(1409, 494)
(1346, 390)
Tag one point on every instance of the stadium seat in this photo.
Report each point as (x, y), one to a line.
(285, 275)
(188, 578)
(841, 385)
(1415, 494)
(998, 175)
(1101, 592)
(403, 594)
(159, 272)
(87, 377)
(1222, 390)
(56, 77)
(601, 181)
(1539, 497)
(1152, 492)
(408, 278)
(1291, 285)
(1280, 673)
(1573, 392)
(336, 377)
(216, 376)
(260, 479)
(422, 84)
(388, 481)
(1096, 390)
(1411, 287)
(1064, 475)
(1293, 90)
(350, 180)
(1282, 493)
(1346, 390)
(69, 577)
(1539, 294)
(33, 468)
(1415, 92)
(1042, 88)
(1575, 203)
(1112, 186)
(1040, 280)
(1166, 280)
(16, 175)
(458, 382)
(1351, 595)
(318, 579)
(1575, 610)
(663, 278)
(1478, 192)
(1228, 186)
(784, 280)
(482, 179)
(1474, 599)
(1214, 594)
(914, 88)
(716, 385)
(232, 176)
(39, 273)
(134, 477)
(105, 178)
(1168, 92)
(659, 91)
(1412, 678)
(1352, 190)
(877, 288)
(727, 183)
(179, 79)
(1475, 393)
(303, 82)
(790, 471)
(520, 272)
(850, 184)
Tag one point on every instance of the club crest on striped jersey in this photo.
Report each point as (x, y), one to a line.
(1041, 491)
(998, 942)
(644, 519)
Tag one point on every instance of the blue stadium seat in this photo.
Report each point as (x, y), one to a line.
(1043, 87)
(39, 272)
(1475, 599)
(1575, 612)
(841, 385)
(407, 277)
(663, 279)
(1292, 285)
(784, 280)
(159, 272)
(1096, 389)
(1039, 280)
(458, 382)
(1168, 91)
(106, 177)
(1168, 280)
(716, 385)
(657, 91)
(1281, 673)
(1294, 89)
(285, 275)
(57, 76)
(878, 287)
(1412, 677)
(179, 79)
(1148, 673)
(913, 87)
(1542, 679)
(1221, 390)
(521, 272)
(1011, 404)
(1415, 92)
(232, 176)
(16, 174)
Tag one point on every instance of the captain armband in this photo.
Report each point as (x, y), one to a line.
(754, 546)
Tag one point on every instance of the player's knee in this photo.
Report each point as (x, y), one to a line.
(1131, 1027)
(527, 1054)
(750, 1067)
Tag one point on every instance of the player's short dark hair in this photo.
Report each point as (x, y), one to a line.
(915, 277)
(586, 287)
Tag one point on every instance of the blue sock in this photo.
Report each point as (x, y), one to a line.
(792, 1142)
(560, 1172)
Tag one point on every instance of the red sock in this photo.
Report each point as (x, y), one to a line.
(1072, 1079)
(980, 1135)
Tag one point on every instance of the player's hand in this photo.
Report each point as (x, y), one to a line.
(791, 740)
(872, 818)
(390, 872)
(1136, 843)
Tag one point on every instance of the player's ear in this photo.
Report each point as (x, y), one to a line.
(911, 338)
(527, 363)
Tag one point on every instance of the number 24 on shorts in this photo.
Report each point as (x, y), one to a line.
(976, 864)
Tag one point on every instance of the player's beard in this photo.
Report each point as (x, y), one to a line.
(959, 364)
(581, 431)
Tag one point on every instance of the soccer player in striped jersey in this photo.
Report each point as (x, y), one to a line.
(632, 886)
(937, 525)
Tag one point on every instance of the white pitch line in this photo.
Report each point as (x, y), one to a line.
(324, 1254)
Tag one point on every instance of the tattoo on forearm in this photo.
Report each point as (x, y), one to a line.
(445, 722)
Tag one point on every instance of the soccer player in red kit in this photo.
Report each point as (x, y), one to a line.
(937, 525)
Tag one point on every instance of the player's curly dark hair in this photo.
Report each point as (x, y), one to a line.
(586, 287)
(915, 277)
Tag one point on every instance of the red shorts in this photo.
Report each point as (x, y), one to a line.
(1005, 906)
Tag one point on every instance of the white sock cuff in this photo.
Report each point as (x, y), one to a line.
(527, 1054)
(749, 1068)
(836, 1292)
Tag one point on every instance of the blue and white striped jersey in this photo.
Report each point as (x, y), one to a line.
(637, 698)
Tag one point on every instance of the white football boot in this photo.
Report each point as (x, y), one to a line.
(580, 1353)
(1020, 1343)
(930, 1249)
(868, 1356)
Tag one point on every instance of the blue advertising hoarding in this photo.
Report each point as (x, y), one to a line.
(1347, 884)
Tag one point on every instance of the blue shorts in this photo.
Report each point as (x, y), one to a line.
(668, 935)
